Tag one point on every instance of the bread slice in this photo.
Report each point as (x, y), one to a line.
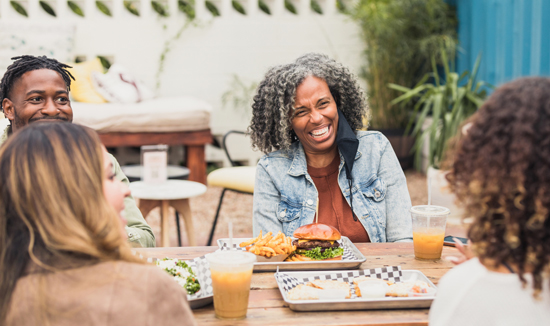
(360, 279)
(303, 292)
(330, 285)
(403, 289)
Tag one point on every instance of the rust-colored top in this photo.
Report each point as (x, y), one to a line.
(334, 210)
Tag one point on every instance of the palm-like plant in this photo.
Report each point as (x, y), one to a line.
(400, 37)
(446, 101)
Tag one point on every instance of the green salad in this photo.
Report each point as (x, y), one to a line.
(182, 273)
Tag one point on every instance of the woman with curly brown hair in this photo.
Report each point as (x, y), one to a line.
(306, 119)
(500, 172)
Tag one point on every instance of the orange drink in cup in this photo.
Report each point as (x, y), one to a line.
(231, 274)
(428, 223)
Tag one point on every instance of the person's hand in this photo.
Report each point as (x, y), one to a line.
(465, 253)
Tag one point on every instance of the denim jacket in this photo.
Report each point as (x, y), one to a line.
(285, 196)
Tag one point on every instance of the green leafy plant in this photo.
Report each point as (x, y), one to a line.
(19, 8)
(104, 62)
(47, 8)
(240, 94)
(168, 44)
(188, 8)
(103, 8)
(290, 7)
(75, 8)
(159, 8)
(315, 6)
(238, 7)
(400, 37)
(263, 7)
(131, 7)
(341, 6)
(448, 103)
(212, 8)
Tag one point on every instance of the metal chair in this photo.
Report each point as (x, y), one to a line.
(236, 178)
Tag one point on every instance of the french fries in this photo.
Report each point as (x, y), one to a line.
(269, 245)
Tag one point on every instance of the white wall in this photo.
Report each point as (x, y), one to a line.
(204, 59)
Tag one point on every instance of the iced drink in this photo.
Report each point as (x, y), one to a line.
(231, 273)
(428, 223)
(428, 243)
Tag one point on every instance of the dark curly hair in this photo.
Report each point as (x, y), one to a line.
(500, 172)
(270, 128)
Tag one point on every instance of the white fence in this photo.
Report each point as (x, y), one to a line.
(206, 56)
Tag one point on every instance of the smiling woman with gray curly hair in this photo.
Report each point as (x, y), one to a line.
(306, 118)
(270, 129)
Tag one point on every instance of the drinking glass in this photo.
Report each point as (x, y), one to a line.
(428, 222)
(231, 272)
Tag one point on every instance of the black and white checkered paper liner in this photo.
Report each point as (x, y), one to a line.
(201, 267)
(348, 252)
(391, 273)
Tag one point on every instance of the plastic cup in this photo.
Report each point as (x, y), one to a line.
(428, 222)
(231, 274)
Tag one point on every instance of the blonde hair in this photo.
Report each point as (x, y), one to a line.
(53, 213)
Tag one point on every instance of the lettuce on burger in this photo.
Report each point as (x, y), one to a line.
(317, 241)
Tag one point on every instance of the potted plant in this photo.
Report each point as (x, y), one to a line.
(400, 36)
(448, 101)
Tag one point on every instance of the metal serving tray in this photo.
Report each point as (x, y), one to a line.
(200, 302)
(351, 259)
(357, 303)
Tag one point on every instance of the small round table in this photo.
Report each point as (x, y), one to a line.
(134, 172)
(175, 193)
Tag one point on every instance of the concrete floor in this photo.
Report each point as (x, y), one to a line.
(238, 208)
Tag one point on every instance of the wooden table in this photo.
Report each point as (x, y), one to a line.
(266, 305)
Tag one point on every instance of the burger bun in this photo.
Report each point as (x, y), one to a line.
(317, 231)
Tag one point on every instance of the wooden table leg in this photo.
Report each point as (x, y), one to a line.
(164, 226)
(147, 205)
(182, 206)
(196, 163)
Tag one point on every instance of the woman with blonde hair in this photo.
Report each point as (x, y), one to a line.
(500, 172)
(64, 258)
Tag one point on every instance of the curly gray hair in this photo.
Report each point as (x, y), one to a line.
(273, 105)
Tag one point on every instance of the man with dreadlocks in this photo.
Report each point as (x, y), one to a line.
(36, 89)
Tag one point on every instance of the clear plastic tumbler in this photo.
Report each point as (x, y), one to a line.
(428, 222)
(231, 274)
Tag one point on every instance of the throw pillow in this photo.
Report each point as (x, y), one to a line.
(82, 88)
(119, 86)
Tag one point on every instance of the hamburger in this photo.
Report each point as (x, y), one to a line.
(317, 241)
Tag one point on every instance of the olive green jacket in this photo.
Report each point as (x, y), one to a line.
(139, 232)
